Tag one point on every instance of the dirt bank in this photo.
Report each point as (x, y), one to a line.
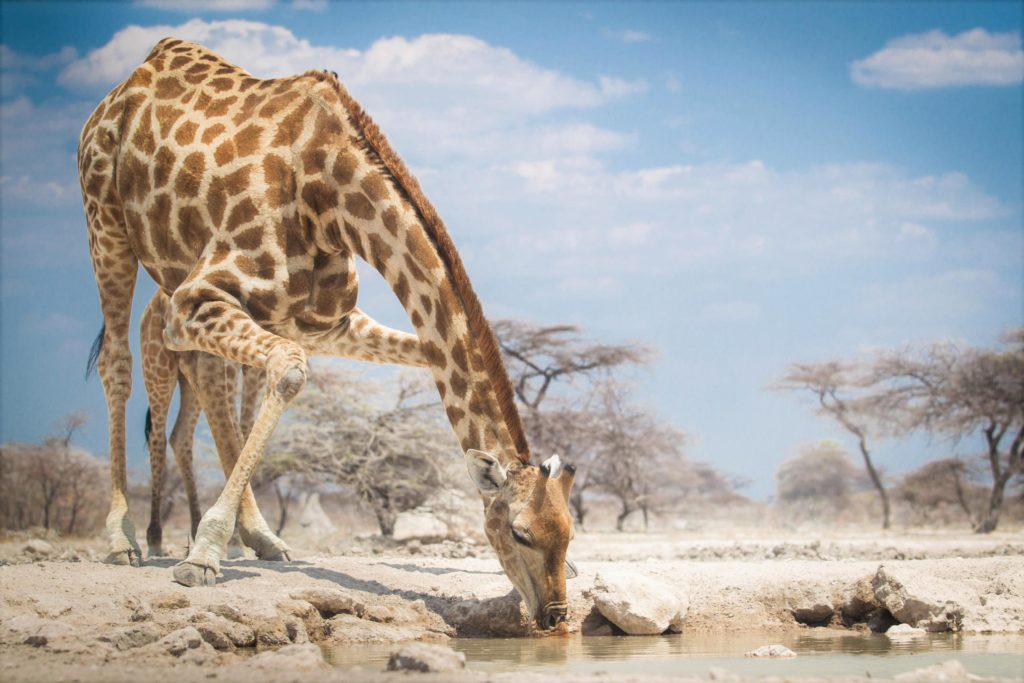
(64, 615)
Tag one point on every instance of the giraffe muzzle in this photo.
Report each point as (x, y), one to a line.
(553, 614)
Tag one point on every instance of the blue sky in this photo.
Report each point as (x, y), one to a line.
(741, 186)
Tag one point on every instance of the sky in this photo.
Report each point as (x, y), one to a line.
(740, 186)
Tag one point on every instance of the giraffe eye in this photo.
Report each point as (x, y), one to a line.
(520, 537)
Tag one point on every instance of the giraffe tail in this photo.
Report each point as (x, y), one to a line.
(94, 352)
(149, 424)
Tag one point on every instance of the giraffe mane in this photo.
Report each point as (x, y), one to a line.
(374, 142)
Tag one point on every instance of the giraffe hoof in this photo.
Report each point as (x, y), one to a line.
(124, 557)
(192, 575)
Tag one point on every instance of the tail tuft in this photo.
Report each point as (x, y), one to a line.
(149, 424)
(94, 352)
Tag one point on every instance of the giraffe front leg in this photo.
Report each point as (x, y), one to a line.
(363, 338)
(218, 327)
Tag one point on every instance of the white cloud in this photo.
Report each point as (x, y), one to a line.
(631, 235)
(192, 6)
(937, 60)
(630, 36)
(732, 311)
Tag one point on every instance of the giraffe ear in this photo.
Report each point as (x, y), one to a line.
(570, 569)
(485, 470)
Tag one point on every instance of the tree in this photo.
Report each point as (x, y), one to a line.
(842, 392)
(938, 485)
(960, 392)
(540, 358)
(819, 482)
(344, 430)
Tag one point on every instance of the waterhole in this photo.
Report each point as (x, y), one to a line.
(820, 653)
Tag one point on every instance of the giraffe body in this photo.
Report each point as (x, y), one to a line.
(247, 201)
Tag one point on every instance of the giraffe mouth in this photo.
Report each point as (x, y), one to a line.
(553, 614)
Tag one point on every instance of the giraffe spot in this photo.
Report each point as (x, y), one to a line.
(186, 133)
(193, 230)
(459, 385)
(414, 269)
(355, 239)
(332, 233)
(442, 389)
(202, 102)
(140, 78)
(265, 266)
(198, 68)
(169, 88)
(280, 180)
(417, 319)
(277, 104)
(224, 281)
(422, 250)
(166, 44)
(187, 97)
(159, 216)
(237, 182)
(459, 356)
(243, 212)
(252, 100)
(455, 415)
(375, 187)
(326, 127)
(220, 107)
(314, 160)
(179, 62)
(380, 252)
(249, 239)
(441, 318)
(292, 125)
(211, 133)
(344, 168)
(143, 138)
(246, 265)
(217, 200)
(300, 283)
(221, 84)
(247, 140)
(246, 84)
(133, 178)
(359, 206)
(220, 253)
(390, 215)
(427, 303)
(224, 153)
(191, 175)
(319, 197)
(171, 278)
(402, 289)
(434, 355)
(262, 305)
(166, 116)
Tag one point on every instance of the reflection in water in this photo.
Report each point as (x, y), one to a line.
(821, 652)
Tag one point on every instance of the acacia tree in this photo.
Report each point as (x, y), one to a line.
(940, 484)
(392, 452)
(540, 358)
(842, 392)
(959, 392)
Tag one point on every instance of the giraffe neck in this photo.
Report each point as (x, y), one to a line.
(384, 217)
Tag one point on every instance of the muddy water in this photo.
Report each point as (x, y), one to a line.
(820, 653)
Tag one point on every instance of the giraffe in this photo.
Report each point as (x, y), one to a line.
(247, 201)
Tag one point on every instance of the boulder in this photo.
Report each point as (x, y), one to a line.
(775, 651)
(811, 605)
(181, 641)
(419, 525)
(639, 605)
(170, 600)
(221, 633)
(921, 600)
(427, 658)
(898, 630)
(491, 617)
(330, 601)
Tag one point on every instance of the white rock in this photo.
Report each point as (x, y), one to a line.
(639, 605)
(771, 651)
(304, 657)
(419, 525)
(427, 658)
(904, 630)
(922, 600)
(37, 548)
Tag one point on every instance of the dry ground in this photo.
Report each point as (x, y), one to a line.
(65, 616)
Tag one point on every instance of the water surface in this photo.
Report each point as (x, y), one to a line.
(820, 653)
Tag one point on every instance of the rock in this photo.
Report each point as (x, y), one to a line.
(307, 617)
(595, 624)
(492, 617)
(880, 621)
(427, 658)
(303, 657)
(180, 641)
(921, 600)
(129, 637)
(858, 602)
(221, 633)
(946, 672)
(37, 548)
(904, 630)
(348, 628)
(810, 605)
(170, 600)
(330, 601)
(261, 617)
(419, 525)
(54, 635)
(639, 605)
(142, 613)
(771, 651)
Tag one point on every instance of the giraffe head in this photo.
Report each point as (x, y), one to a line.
(527, 521)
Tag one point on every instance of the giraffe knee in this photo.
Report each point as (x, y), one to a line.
(291, 383)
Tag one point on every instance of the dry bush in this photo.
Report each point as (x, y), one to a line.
(821, 483)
